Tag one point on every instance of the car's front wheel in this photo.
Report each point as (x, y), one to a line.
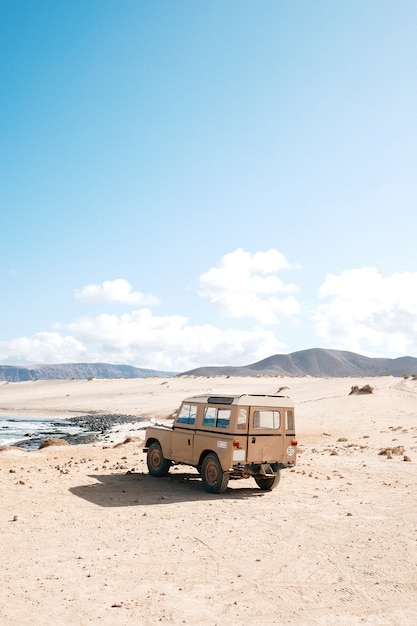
(268, 483)
(215, 480)
(157, 464)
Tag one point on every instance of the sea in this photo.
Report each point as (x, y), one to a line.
(28, 433)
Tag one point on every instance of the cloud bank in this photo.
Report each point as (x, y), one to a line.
(358, 310)
(368, 313)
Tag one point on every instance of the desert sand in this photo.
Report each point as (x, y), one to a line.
(87, 537)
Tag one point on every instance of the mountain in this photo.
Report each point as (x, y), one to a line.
(316, 362)
(15, 373)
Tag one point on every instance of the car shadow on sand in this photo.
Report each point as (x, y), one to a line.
(139, 489)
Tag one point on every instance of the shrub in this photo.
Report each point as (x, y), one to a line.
(127, 440)
(365, 389)
(281, 389)
(53, 441)
(398, 450)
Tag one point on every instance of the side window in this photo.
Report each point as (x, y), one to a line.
(241, 419)
(216, 418)
(209, 418)
(223, 418)
(289, 420)
(187, 414)
(265, 420)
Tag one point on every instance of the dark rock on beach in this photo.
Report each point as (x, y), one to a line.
(90, 429)
(100, 423)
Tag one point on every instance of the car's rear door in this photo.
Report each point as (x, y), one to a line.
(265, 436)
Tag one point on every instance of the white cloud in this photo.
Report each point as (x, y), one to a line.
(244, 285)
(170, 342)
(369, 313)
(247, 285)
(119, 290)
(142, 339)
(43, 347)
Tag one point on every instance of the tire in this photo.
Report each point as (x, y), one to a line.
(215, 480)
(157, 464)
(268, 483)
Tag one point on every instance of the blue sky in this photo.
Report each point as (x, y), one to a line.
(192, 183)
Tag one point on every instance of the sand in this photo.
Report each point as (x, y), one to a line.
(87, 537)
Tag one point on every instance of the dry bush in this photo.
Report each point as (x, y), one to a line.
(53, 441)
(365, 389)
(281, 389)
(127, 440)
(398, 450)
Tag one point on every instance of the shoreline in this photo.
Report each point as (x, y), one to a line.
(97, 428)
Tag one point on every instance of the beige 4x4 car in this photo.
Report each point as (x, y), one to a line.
(227, 436)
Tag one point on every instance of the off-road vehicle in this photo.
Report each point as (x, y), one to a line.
(227, 436)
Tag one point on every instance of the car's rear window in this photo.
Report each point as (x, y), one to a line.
(266, 420)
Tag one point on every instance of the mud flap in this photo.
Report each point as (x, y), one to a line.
(266, 471)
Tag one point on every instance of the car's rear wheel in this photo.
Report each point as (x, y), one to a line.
(157, 464)
(268, 483)
(215, 480)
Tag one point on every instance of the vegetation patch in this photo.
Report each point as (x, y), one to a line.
(397, 450)
(53, 441)
(361, 390)
(128, 440)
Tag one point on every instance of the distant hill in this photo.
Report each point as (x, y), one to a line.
(15, 373)
(316, 362)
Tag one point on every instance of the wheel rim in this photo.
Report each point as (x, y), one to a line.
(212, 473)
(156, 459)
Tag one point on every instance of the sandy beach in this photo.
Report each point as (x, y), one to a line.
(89, 538)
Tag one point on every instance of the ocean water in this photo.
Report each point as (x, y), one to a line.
(28, 433)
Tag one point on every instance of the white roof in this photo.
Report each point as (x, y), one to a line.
(243, 399)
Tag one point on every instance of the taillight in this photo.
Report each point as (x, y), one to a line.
(294, 442)
(236, 443)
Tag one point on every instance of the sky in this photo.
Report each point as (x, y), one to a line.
(188, 183)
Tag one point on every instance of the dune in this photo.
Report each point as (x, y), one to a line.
(88, 537)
